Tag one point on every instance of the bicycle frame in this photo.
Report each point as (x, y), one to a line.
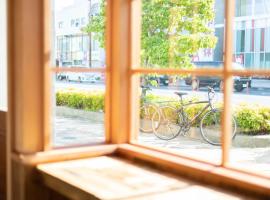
(198, 115)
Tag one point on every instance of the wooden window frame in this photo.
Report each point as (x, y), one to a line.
(29, 133)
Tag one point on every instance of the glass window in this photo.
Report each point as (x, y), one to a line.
(218, 51)
(78, 97)
(173, 41)
(77, 23)
(248, 40)
(172, 118)
(60, 24)
(240, 40)
(219, 8)
(262, 7)
(262, 61)
(249, 60)
(243, 8)
(267, 39)
(262, 44)
(257, 40)
(267, 60)
(256, 61)
(72, 22)
(83, 21)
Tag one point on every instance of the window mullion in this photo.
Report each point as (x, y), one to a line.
(228, 82)
(118, 61)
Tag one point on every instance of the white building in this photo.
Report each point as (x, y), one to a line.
(71, 43)
(251, 33)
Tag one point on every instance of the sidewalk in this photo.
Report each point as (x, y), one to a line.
(85, 124)
(74, 127)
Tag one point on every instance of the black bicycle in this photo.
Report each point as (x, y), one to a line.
(168, 122)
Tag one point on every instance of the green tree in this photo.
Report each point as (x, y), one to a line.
(172, 31)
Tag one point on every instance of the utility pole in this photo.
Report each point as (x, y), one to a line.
(90, 34)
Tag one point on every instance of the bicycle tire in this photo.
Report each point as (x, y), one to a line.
(210, 127)
(166, 125)
(146, 115)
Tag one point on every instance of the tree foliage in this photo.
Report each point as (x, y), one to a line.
(172, 31)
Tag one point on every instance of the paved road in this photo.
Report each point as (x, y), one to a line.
(259, 93)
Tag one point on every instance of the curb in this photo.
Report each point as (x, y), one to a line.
(77, 113)
(240, 140)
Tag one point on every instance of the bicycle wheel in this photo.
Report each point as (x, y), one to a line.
(146, 115)
(210, 127)
(165, 123)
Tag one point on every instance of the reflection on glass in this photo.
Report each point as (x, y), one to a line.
(182, 114)
(79, 108)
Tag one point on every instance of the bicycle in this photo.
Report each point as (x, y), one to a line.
(146, 112)
(169, 122)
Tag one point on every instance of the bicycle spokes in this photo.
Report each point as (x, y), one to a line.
(167, 127)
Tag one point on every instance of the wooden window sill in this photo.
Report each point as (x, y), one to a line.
(113, 177)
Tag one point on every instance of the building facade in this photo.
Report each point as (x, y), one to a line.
(72, 44)
(251, 33)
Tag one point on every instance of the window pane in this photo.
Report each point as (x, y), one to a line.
(3, 56)
(262, 7)
(248, 41)
(243, 8)
(240, 40)
(181, 34)
(79, 109)
(78, 97)
(251, 147)
(252, 41)
(249, 60)
(163, 124)
(267, 39)
(78, 33)
(219, 8)
(267, 60)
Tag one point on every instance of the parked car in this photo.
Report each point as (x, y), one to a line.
(155, 80)
(61, 76)
(78, 77)
(202, 81)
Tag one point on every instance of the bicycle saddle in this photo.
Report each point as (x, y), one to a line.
(181, 93)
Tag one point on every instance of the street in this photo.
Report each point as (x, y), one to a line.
(259, 93)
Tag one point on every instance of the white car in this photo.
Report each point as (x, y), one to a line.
(81, 77)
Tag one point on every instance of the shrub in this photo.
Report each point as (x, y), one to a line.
(92, 101)
(250, 119)
(253, 119)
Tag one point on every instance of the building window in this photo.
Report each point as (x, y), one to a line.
(240, 40)
(60, 25)
(77, 23)
(249, 60)
(262, 7)
(267, 39)
(243, 8)
(82, 21)
(72, 22)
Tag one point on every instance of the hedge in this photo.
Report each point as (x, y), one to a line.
(251, 119)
